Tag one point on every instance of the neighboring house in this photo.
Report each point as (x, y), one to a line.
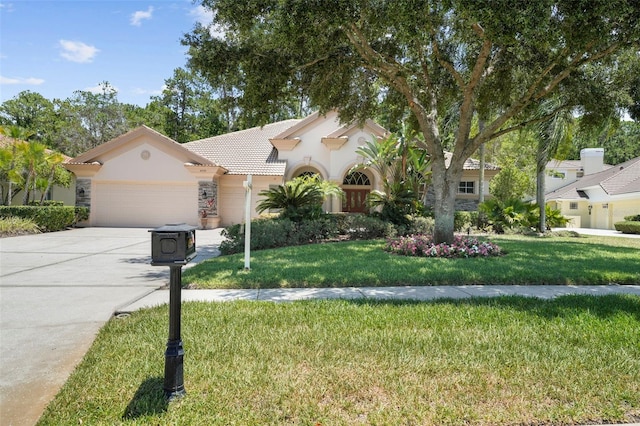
(594, 195)
(57, 192)
(143, 178)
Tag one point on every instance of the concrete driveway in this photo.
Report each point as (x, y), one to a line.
(56, 291)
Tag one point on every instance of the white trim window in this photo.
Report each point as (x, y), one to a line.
(573, 205)
(467, 187)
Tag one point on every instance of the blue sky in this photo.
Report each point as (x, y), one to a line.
(57, 47)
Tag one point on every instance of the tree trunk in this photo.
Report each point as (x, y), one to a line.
(445, 185)
(540, 189)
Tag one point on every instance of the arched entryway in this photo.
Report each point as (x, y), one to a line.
(356, 186)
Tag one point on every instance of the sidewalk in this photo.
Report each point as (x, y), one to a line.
(160, 297)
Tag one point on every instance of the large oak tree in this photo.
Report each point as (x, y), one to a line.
(447, 61)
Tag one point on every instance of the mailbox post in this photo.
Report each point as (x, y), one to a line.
(173, 246)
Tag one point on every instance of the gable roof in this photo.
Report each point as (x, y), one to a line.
(621, 179)
(246, 151)
(91, 155)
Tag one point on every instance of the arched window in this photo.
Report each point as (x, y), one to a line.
(307, 173)
(356, 178)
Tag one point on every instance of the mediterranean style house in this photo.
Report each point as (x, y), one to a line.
(145, 179)
(593, 194)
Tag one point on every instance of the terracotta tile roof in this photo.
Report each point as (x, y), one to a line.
(246, 151)
(621, 179)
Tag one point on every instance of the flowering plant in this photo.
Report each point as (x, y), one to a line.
(423, 246)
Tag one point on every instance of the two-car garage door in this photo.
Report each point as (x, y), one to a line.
(143, 205)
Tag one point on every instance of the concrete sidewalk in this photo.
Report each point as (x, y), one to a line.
(160, 297)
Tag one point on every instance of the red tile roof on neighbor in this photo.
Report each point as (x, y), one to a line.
(621, 179)
(246, 151)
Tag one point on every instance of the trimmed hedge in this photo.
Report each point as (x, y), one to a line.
(48, 218)
(633, 218)
(282, 232)
(628, 227)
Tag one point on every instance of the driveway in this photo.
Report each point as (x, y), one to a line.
(56, 291)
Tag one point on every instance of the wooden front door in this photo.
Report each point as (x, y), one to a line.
(355, 200)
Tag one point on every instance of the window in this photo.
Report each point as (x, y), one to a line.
(356, 178)
(467, 187)
(573, 206)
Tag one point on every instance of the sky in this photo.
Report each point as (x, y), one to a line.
(56, 47)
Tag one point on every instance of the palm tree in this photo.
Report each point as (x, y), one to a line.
(554, 133)
(403, 170)
(300, 198)
(18, 136)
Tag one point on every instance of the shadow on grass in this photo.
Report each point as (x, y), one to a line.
(567, 306)
(149, 400)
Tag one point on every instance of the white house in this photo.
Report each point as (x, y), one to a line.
(593, 194)
(145, 179)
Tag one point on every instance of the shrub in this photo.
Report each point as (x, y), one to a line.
(363, 227)
(47, 218)
(423, 246)
(464, 220)
(628, 227)
(47, 203)
(12, 226)
(632, 218)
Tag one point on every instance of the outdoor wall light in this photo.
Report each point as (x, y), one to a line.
(204, 193)
(589, 207)
(81, 192)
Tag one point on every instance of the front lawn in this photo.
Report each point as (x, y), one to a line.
(528, 260)
(507, 361)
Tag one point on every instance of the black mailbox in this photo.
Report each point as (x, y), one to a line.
(173, 244)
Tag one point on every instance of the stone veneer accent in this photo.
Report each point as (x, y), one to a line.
(83, 193)
(468, 205)
(208, 202)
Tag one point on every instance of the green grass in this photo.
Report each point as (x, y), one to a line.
(572, 360)
(528, 260)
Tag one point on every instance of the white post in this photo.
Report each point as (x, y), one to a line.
(247, 222)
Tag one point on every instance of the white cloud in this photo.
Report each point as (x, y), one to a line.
(100, 88)
(77, 51)
(205, 18)
(146, 92)
(6, 7)
(202, 15)
(30, 81)
(137, 17)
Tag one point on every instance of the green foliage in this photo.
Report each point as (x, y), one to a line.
(283, 232)
(628, 227)
(518, 215)
(620, 142)
(511, 183)
(48, 218)
(279, 232)
(12, 226)
(464, 220)
(299, 199)
(442, 63)
(403, 168)
(365, 227)
(632, 218)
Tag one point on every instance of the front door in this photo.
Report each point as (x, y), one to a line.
(354, 201)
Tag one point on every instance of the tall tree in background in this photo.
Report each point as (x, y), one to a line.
(477, 57)
(16, 137)
(554, 137)
(90, 119)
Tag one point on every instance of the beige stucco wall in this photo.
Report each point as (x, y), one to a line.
(311, 152)
(604, 214)
(232, 196)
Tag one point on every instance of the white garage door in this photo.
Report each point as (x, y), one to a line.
(143, 205)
